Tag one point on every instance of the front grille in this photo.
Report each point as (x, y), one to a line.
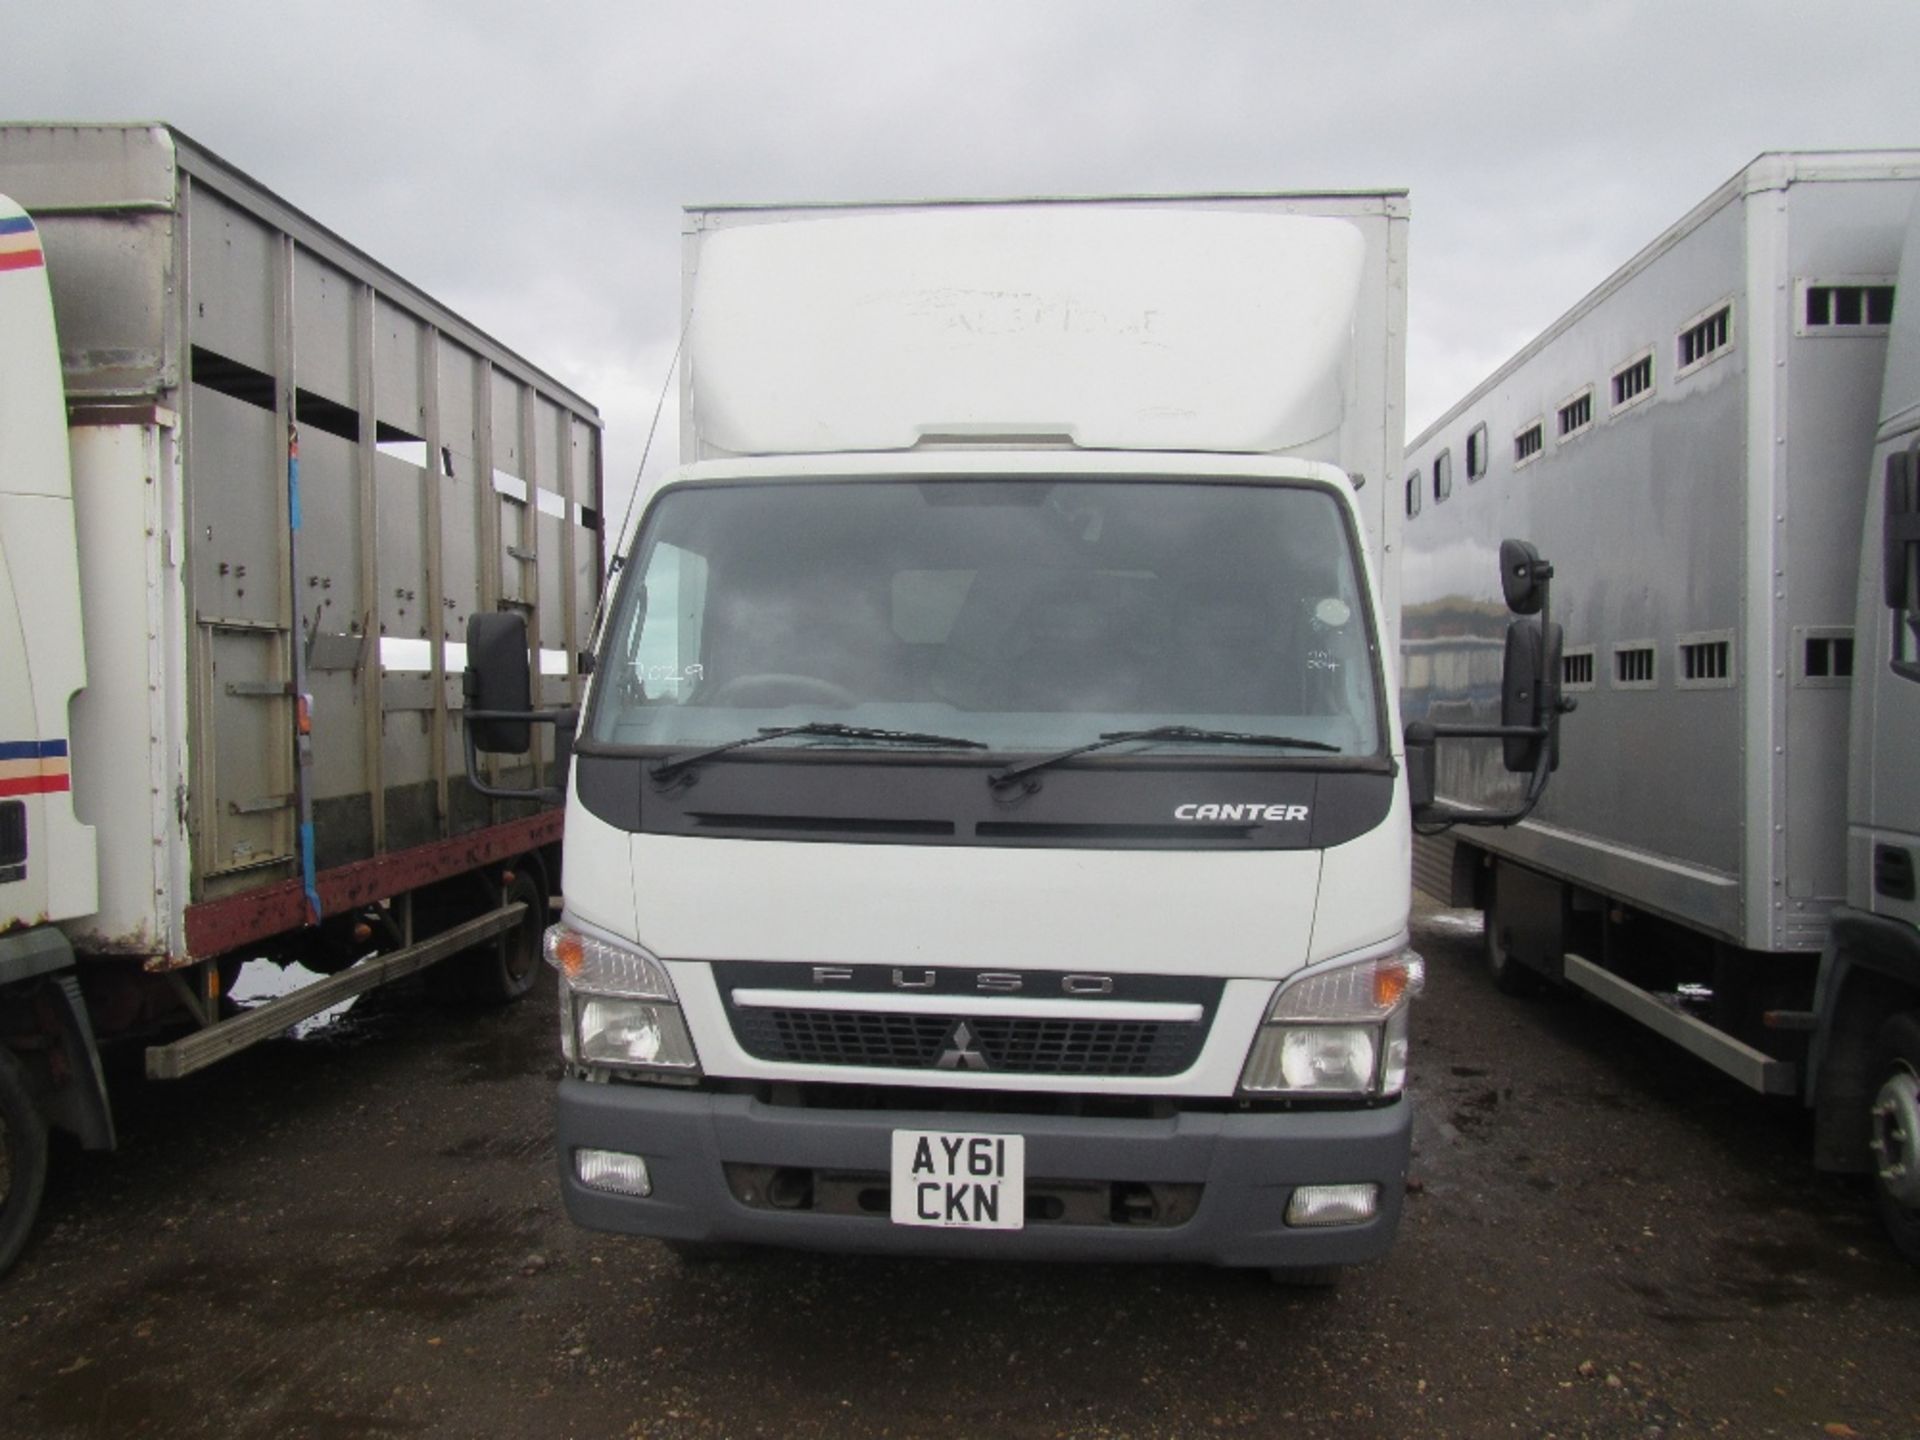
(1007, 1045)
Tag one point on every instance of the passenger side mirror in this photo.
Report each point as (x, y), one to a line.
(1531, 705)
(1530, 694)
(497, 681)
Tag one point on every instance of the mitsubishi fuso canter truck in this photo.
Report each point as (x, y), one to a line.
(988, 829)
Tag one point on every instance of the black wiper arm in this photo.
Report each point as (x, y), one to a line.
(1193, 733)
(678, 764)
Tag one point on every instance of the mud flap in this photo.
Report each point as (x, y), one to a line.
(79, 1105)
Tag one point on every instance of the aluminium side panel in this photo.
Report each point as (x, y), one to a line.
(1706, 525)
(1640, 507)
(1843, 240)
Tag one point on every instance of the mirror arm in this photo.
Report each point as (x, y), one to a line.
(561, 720)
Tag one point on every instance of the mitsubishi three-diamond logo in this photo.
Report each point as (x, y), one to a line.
(960, 1054)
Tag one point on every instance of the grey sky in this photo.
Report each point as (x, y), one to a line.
(526, 163)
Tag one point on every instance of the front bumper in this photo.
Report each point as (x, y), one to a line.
(1247, 1164)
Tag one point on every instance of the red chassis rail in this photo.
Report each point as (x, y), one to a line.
(215, 927)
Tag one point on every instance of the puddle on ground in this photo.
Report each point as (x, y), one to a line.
(262, 980)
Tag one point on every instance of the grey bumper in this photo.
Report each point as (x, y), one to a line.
(1249, 1165)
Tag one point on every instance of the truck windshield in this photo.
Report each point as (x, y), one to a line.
(1025, 615)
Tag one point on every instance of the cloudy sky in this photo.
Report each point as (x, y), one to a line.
(525, 163)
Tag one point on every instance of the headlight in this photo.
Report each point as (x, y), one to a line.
(1340, 1032)
(627, 1033)
(618, 1008)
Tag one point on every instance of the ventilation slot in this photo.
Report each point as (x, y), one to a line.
(1848, 306)
(1413, 494)
(1576, 414)
(1633, 665)
(1632, 382)
(1576, 669)
(1706, 339)
(1476, 453)
(1527, 444)
(1706, 662)
(319, 413)
(1829, 657)
(232, 379)
(1442, 476)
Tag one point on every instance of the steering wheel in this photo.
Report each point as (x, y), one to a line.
(773, 688)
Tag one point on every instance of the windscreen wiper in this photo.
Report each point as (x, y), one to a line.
(1193, 733)
(680, 764)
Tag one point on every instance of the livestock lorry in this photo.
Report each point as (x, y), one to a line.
(252, 483)
(1729, 858)
(987, 833)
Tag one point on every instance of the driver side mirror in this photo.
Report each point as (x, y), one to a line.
(499, 715)
(497, 681)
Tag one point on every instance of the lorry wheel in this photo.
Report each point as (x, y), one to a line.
(23, 1159)
(1895, 1132)
(505, 968)
(1510, 977)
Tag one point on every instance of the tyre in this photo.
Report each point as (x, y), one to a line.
(1510, 977)
(1895, 1132)
(504, 969)
(23, 1159)
(495, 971)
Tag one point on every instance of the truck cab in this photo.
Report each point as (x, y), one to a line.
(988, 831)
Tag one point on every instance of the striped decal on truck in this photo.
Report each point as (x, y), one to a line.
(33, 767)
(19, 243)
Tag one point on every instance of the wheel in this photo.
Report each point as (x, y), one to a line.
(23, 1159)
(505, 967)
(1895, 1121)
(498, 970)
(1307, 1277)
(1510, 977)
(770, 688)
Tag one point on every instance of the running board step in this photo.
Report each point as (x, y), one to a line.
(263, 1022)
(1752, 1068)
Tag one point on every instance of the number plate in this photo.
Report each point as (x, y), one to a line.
(959, 1180)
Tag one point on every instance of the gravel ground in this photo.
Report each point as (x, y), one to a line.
(359, 1233)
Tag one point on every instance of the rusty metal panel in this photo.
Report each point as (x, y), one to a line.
(170, 266)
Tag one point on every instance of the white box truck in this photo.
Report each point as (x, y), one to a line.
(988, 833)
(1729, 856)
(251, 484)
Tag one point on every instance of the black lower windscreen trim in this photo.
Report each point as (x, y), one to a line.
(1149, 803)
